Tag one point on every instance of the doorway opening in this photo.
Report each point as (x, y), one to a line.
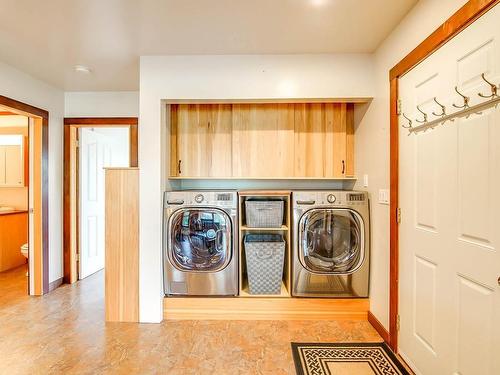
(90, 145)
(24, 260)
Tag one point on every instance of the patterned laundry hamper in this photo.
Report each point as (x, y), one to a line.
(265, 255)
(264, 214)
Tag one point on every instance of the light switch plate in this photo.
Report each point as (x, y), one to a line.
(383, 196)
(365, 180)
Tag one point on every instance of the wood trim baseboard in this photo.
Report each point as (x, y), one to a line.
(378, 327)
(460, 20)
(55, 284)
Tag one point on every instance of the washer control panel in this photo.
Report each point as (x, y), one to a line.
(331, 198)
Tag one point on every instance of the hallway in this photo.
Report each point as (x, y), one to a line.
(64, 332)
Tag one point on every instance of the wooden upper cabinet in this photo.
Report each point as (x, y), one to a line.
(201, 140)
(263, 140)
(324, 143)
(309, 140)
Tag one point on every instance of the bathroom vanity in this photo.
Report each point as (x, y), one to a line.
(13, 234)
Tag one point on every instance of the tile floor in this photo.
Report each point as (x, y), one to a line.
(64, 333)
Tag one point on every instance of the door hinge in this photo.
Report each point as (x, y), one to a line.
(77, 143)
(398, 215)
(78, 257)
(398, 107)
(398, 323)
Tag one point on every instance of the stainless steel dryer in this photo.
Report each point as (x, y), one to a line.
(331, 237)
(200, 242)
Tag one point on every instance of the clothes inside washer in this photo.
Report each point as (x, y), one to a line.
(331, 241)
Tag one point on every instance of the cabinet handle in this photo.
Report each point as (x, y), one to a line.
(179, 167)
(343, 167)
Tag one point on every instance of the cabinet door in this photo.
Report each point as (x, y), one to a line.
(201, 140)
(14, 165)
(324, 140)
(263, 140)
(342, 142)
(2, 165)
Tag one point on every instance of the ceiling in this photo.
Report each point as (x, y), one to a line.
(47, 38)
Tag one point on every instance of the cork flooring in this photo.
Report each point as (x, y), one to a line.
(64, 333)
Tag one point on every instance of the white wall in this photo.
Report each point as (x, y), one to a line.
(101, 104)
(20, 86)
(220, 77)
(372, 136)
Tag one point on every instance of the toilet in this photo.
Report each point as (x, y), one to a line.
(25, 251)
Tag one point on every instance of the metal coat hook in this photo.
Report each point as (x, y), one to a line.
(422, 112)
(493, 87)
(465, 98)
(443, 109)
(410, 122)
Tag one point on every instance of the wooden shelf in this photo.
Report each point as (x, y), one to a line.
(248, 229)
(285, 196)
(244, 292)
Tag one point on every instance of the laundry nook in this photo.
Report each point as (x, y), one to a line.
(260, 187)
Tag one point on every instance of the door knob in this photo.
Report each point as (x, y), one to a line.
(498, 280)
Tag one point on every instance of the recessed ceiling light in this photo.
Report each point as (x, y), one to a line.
(318, 3)
(82, 69)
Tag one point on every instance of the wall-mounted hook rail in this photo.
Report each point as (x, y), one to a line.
(475, 109)
(443, 109)
(465, 98)
(493, 87)
(410, 122)
(423, 113)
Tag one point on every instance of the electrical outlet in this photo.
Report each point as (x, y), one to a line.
(383, 196)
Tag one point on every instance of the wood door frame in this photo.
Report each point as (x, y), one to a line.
(462, 18)
(41, 196)
(70, 206)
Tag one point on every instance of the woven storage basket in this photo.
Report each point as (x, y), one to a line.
(265, 254)
(264, 214)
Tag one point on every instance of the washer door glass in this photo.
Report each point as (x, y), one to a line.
(200, 239)
(331, 241)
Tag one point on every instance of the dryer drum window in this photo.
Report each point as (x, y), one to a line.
(331, 241)
(199, 239)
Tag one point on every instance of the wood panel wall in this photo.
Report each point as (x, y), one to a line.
(122, 245)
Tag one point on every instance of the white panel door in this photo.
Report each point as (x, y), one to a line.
(98, 149)
(449, 292)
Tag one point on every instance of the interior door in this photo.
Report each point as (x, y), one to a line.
(97, 149)
(449, 292)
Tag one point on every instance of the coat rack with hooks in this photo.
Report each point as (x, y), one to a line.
(466, 109)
